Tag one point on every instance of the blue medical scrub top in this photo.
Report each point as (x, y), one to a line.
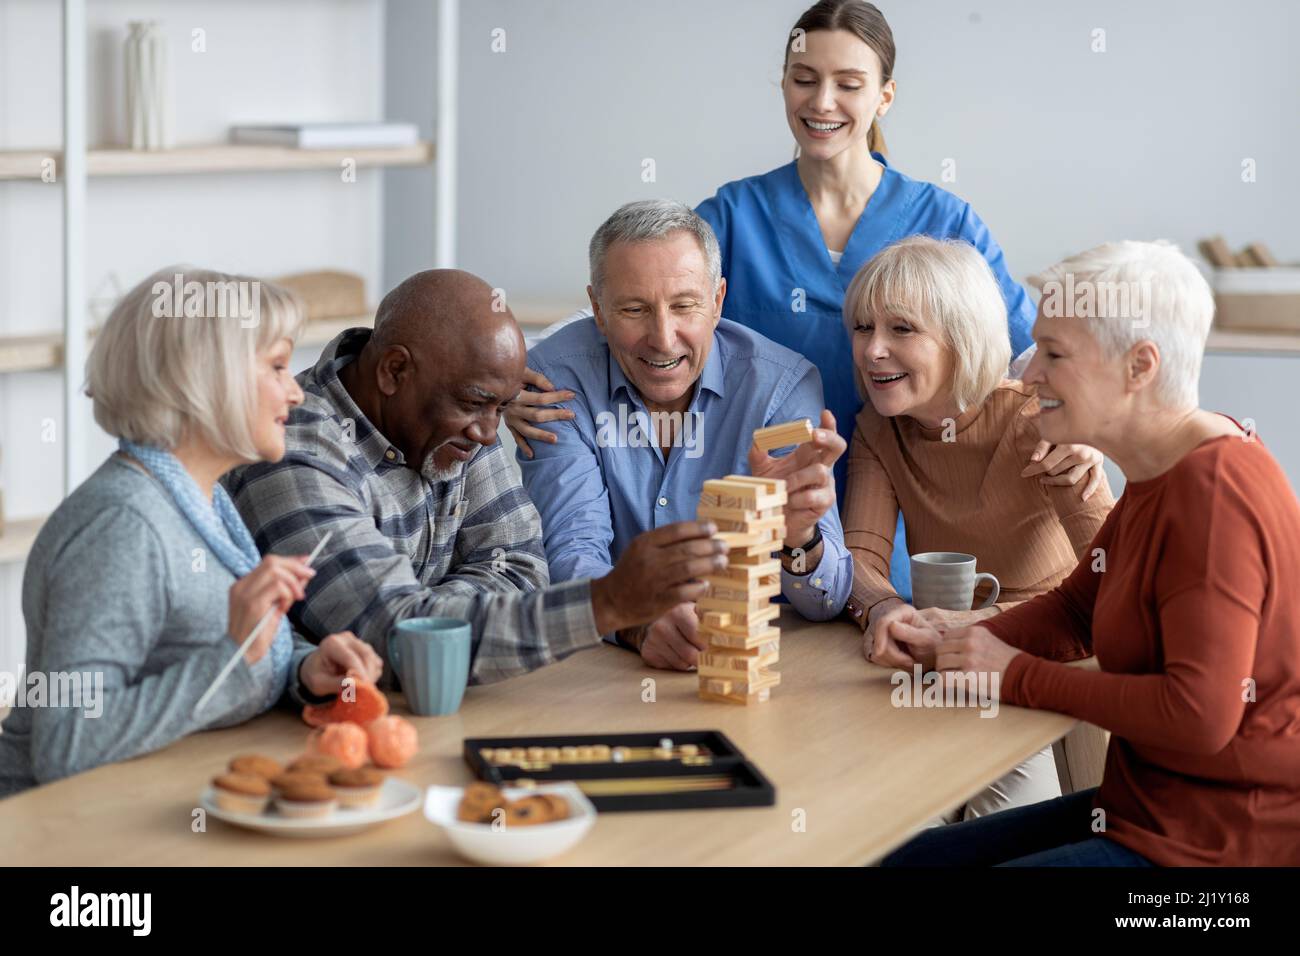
(781, 281)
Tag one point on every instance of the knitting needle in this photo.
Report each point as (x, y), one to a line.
(230, 664)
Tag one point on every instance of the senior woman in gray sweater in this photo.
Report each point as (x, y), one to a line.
(142, 584)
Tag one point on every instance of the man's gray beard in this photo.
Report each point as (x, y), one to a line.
(431, 472)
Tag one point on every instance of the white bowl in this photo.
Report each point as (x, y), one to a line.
(511, 846)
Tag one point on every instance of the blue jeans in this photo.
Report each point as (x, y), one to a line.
(1051, 833)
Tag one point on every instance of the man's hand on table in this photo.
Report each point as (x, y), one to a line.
(658, 571)
(673, 642)
(323, 670)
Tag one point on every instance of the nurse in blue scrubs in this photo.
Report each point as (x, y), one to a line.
(792, 239)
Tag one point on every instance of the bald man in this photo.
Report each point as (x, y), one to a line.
(394, 450)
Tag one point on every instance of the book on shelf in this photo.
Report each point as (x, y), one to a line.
(327, 135)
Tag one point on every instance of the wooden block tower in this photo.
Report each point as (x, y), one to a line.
(737, 613)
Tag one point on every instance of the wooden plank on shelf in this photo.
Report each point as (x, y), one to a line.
(17, 537)
(241, 157)
(1253, 343)
(30, 353)
(25, 163)
(212, 158)
(320, 331)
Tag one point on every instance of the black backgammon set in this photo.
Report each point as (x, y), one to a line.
(673, 770)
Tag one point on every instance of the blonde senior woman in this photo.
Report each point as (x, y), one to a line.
(944, 437)
(144, 581)
(1191, 615)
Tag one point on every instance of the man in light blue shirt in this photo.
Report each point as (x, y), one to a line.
(666, 395)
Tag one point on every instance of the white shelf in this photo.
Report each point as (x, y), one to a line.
(211, 158)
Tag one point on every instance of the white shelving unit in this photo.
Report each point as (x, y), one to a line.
(76, 162)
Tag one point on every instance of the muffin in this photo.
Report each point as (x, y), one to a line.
(256, 764)
(241, 792)
(303, 800)
(357, 788)
(291, 777)
(322, 764)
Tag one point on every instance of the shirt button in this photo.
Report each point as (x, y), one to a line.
(817, 582)
(390, 454)
(798, 586)
(663, 502)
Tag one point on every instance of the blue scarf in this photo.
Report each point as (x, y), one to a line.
(223, 531)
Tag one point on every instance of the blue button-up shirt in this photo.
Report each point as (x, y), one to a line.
(605, 480)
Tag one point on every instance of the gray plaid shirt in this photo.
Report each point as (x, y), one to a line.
(403, 547)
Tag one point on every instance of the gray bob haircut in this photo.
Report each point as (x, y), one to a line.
(943, 286)
(646, 221)
(178, 358)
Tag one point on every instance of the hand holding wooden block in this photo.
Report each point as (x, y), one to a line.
(778, 436)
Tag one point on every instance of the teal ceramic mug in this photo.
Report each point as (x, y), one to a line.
(431, 658)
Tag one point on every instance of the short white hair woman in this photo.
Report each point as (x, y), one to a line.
(944, 438)
(144, 580)
(1187, 597)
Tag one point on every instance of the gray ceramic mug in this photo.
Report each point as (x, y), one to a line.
(947, 579)
(431, 657)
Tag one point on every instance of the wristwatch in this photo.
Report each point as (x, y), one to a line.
(812, 542)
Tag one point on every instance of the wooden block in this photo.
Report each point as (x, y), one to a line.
(743, 493)
(779, 436)
(738, 609)
(718, 686)
(718, 585)
(745, 559)
(746, 598)
(742, 659)
(759, 697)
(717, 513)
(770, 486)
(743, 573)
(743, 622)
(736, 667)
(740, 540)
(746, 641)
(764, 680)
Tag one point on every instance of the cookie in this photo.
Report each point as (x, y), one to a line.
(529, 811)
(478, 802)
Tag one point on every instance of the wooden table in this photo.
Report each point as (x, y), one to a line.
(864, 773)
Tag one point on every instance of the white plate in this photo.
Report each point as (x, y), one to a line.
(511, 846)
(397, 798)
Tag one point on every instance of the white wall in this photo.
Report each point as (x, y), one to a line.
(1057, 147)
(265, 61)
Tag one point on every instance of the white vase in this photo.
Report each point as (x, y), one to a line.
(148, 87)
